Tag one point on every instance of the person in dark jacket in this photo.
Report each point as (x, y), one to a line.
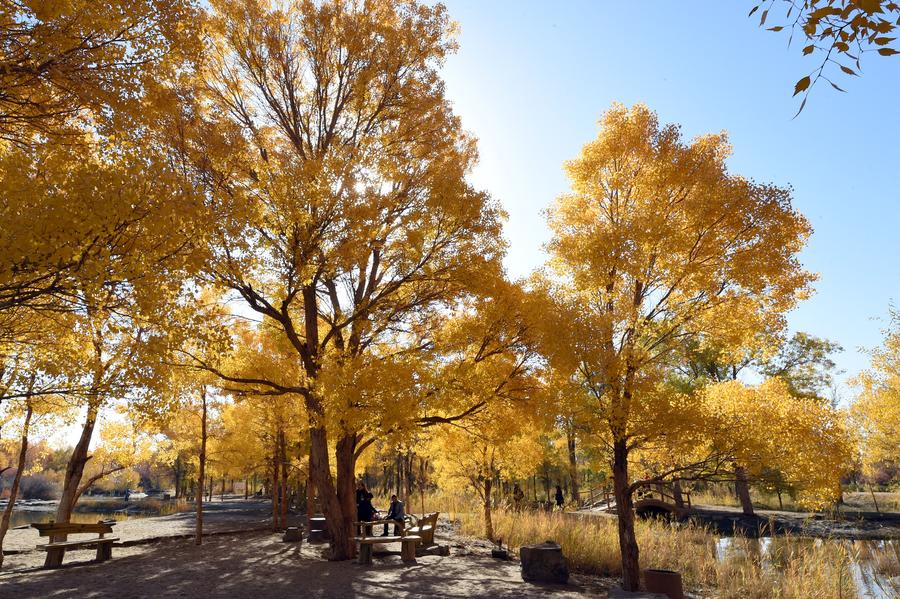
(397, 514)
(518, 497)
(364, 508)
(560, 498)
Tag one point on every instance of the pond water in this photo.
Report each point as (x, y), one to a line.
(873, 564)
(87, 512)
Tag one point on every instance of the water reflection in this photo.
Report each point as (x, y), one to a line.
(873, 564)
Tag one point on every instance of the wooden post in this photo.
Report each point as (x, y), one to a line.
(365, 553)
(408, 551)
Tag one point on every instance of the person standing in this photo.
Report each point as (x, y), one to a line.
(518, 496)
(364, 508)
(560, 498)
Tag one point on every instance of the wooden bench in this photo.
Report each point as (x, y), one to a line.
(424, 527)
(367, 540)
(59, 532)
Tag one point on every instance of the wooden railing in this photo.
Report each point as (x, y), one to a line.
(603, 497)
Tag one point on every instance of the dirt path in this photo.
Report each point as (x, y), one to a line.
(259, 565)
(217, 517)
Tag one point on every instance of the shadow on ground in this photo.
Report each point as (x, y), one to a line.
(259, 566)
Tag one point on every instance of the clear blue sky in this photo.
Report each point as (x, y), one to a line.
(531, 79)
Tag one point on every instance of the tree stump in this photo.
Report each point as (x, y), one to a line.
(544, 563)
(292, 535)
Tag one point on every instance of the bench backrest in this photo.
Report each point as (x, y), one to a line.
(47, 529)
(429, 519)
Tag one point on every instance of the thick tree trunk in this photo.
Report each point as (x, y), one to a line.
(198, 534)
(337, 517)
(14, 489)
(742, 488)
(488, 521)
(624, 508)
(345, 457)
(573, 465)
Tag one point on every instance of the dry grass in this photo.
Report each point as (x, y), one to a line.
(791, 568)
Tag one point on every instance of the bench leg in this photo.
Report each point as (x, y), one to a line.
(365, 553)
(54, 558)
(408, 551)
(104, 552)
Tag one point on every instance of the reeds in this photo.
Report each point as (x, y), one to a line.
(780, 567)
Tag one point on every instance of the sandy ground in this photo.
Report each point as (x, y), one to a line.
(218, 517)
(259, 565)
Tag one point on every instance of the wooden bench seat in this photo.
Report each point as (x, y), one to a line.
(77, 544)
(58, 533)
(407, 547)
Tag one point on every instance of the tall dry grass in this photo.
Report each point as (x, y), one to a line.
(788, 568)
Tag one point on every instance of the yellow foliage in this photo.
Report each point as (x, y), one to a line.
(876, 409)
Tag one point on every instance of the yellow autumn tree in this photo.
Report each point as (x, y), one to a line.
(763, 428)
(658, 244)
(337, 171)
(876, 409)
(68, 65)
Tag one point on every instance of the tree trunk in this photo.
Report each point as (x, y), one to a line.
(20, 468)
(284, 480)
(276, 491)
(177, 472)
(74, 472)
(310, 499)
(488, 521)
(573, 465)
(336, 516)
(624, 509)
(75, 467)
(875, 501)
(423, 467)
(198, 535)
(345, 458)
(742, 488)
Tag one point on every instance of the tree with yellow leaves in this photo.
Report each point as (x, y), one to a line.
(656, 245)
(876, 409)
(337, 172)
(65, 65)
